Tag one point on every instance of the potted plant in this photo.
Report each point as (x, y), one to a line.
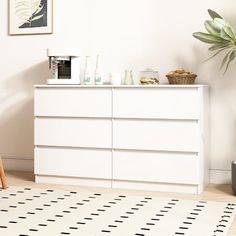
(221, 35)
(223, 39)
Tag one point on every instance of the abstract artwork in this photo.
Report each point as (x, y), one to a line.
(30, 17)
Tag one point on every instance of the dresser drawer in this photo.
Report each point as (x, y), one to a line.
(156, 135)
(73, 132)
(73, 162)
(73, 102)
(156, 167)
(171, 103)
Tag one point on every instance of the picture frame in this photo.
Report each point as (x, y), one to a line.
(30, 17)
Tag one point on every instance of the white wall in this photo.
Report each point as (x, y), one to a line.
(128, 34)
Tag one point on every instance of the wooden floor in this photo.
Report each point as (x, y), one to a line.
(212, 192)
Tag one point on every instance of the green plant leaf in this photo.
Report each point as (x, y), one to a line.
(215, 54)
(219, 46)
(221, 23)
(225, 59)
(231, 57)
(214, 14)
(229, 31)
(224, 35)
(212, 28)
(209, 38)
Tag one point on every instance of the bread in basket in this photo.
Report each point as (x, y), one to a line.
(180, 76)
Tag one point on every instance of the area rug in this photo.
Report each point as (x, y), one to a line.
(29, 212)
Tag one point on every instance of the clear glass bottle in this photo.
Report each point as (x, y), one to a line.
(88, 80)
(98, 77)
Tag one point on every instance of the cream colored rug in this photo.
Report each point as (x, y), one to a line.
(26, 212)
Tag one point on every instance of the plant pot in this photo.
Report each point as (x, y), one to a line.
(233, 176)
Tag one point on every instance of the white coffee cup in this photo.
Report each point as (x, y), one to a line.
(115, 78)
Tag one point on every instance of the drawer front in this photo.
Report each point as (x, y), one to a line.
(73, 132)
(156, 167)
(73, 162)
(156, 135)
(73, 102)
(172, 103)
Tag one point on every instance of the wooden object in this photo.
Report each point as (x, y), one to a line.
(2, 175)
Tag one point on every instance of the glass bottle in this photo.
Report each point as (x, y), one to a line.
(98, 77)
(87, 72)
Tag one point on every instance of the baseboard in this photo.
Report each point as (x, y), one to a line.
(220, 176)
(18, 164)
(216, 176)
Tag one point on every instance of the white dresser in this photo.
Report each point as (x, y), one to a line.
(137, 137)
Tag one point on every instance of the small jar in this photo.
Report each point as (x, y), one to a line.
(149, 77)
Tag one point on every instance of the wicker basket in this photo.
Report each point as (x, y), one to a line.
(181, 79)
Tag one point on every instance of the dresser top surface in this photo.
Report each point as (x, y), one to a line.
(124, 86)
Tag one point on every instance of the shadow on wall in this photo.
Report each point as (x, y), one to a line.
(222, 109)
(222, 112)
(16, 109)
(192, 63)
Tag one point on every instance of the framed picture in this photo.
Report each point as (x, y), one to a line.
(30, 17)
